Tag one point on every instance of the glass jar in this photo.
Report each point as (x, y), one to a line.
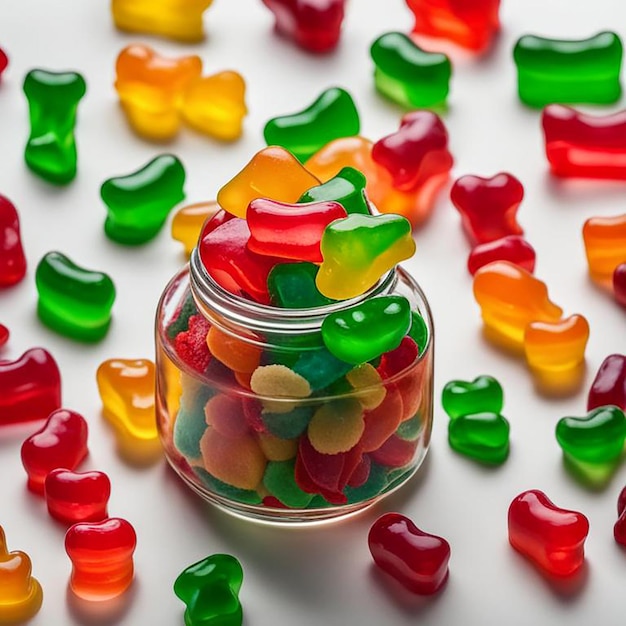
(282, 455)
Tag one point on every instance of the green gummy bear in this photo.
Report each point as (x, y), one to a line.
(418, 331)
(53, 99)
(320, 368)
(583, 71)
(279, 479)
(368, 329)
(292, 286)
(138, 204)
(480, 436)
(347, 187)
(483, 394)
(408, 75)
(73, 301)
(210, 591)
(333, 115)
(597, 438)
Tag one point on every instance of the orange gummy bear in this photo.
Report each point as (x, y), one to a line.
(271, 173)
(510, 298)
(605, 246)
(20, 593)
(234, 353)
(188, 221)
(151, 87)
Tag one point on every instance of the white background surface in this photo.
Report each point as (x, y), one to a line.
(321, 575)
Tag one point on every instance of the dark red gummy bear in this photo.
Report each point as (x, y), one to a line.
(77, 496)
(416, 152)
(61, 443)
(512, 248)
(30, 387)
(4, 335)
(314, 25)
(416, 559)
(191, 345)
(553, 538)
(619, 284)
(609, 385)
(4, 61)
(619, 530)
(488, 206)
(12, 259)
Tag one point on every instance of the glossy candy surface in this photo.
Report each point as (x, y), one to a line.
(512, 248)
(609, 383)
(73, 301)
(333, 114)
(102, 558)
(30, 387)
(460, 397)
(408, 75)
(488, 206)
(292, 286)
(619, 284)
(180, 20)
(311, 24)
(53, 99)
(569, 70)
(12, 259)
(60, 443)
(77, 496)
(4, 335)
(482, 436)
(20, 593)
(4, 61)
(417, 560)
(188, 221)
(605, 245)
(347, 187)
(138, 203)
(551, 537)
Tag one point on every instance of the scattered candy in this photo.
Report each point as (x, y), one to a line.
(470, 25)
(188, 221)
(551, 537)
(77, 496)
(619, 284)
(582, 145)
(332, 115)
(605, 245)
(210, 591)
(417, 560)
(460, 397)
(609, 384)
(312, 25)
(102, 558)
(60, 443)
(20, 593)
(73, 301)
(408, 75)
(12, 259)
(180, 20)
(512, 248)
(138, 203)
(347, 187)
(53, 99)
(30, 387)
(488, 206)
(481, 436)
(569, 71)
(619, 529)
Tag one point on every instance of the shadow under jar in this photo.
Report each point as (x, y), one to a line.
(285, 452)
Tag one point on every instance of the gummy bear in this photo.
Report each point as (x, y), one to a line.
(292, 286)
(188, 221)
(102, 558)
(4, 335)
(61, 442)
(53, 99)
(480, 436)
(347, 187)
(460, 397)
(4, 61)
(20, 593)
(619, 529)
(332, 115)
(512, 248)
(30, 387)
(210, 591)
(569, 71)
(605, 245)
(416, 559)
(12, 259)
(180, 20)
(609, 383)
(619, 284)
(73, 301)
(313, 25)
(553, 538)
(138, 203)
(408, 75)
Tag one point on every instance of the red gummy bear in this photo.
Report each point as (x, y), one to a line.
(619, 530)
(61, 443)
(290, 231)
(77, 496)
(314, 25)
(512, 248)
(471, 24)
(619, 284)
(12, 259)
(609, 385)
(4, 335)
(488, 206)
(30, 387)
(102, 558)
(4, 61)
(553, 538)
(416, 559)
(583, 145)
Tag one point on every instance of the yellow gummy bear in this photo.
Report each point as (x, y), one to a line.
(188, 221)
